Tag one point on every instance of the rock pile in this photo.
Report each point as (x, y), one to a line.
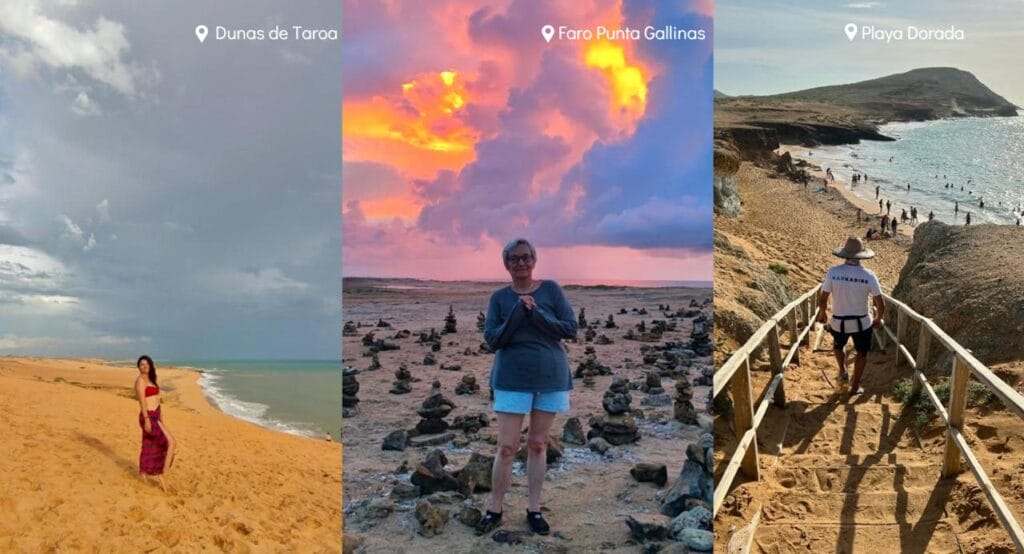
(684, 411)
(433, 411)
(591, 365)
(403, 378)
(450, 322)
(350, 329)
(468, 385)
(700, 336)
(481, 322)
(349, 388)
(617, 426)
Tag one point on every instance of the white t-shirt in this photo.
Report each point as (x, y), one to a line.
(852, 287)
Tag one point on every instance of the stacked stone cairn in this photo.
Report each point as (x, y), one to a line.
(617, 426)
(349, 388)
(684, 411)
(433, 411)
(468, 385)
(403, 378)
(450, 322)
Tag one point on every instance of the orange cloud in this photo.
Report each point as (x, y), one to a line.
(417, 129)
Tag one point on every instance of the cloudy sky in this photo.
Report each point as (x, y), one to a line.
(462, 129)
(779, 46)
(164, 196)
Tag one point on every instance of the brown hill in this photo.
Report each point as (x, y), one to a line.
(968, 279)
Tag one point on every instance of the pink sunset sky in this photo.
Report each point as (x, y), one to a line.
(462, 129)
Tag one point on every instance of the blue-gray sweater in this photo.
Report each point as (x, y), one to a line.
(528, 351)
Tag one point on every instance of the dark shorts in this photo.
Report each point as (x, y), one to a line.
(861, 340)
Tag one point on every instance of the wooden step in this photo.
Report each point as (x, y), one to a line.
(863, 507)
(861, 428)
(932, 537)
(848, 479)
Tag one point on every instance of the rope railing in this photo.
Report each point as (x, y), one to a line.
(799, 317)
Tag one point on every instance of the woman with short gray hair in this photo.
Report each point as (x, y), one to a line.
(526, 322)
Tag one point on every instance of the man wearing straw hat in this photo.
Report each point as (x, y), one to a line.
(851, 286)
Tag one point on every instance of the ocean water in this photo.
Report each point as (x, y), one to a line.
(293, 396)
(983, 155)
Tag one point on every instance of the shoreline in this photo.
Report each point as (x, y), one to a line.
(844, 187)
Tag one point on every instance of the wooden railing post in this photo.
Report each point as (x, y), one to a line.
(901, 330)
(794, 335)
(806, 310)
(775, 354)
(921, 357)
(952, 462)
(743, 418)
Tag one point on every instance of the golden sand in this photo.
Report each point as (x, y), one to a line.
(70, 478)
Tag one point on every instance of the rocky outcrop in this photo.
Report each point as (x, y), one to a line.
(968, 280)
(727, 163)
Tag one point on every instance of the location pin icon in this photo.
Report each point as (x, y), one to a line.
(851, 30)
(201, 32)
(547, 32)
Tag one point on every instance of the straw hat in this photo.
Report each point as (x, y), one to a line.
(854, 250)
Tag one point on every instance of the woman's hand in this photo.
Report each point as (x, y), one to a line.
(528, 302)
(147, 425)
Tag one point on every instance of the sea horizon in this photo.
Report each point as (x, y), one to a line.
(585, 282)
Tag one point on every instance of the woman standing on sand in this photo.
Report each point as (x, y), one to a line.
(526, 322)
(157, 442)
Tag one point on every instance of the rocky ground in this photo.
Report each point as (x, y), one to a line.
(417, 463)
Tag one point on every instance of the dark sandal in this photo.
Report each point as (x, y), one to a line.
(488, 523)
(537, 523)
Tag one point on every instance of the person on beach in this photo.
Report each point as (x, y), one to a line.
(956, 207)
(885, 224)
(931, 216)
(903, 216)
(968, 220)
(880, 208)
(157, 442)
(876, 196)
(893, 223)
(851, 286)
(888, 207)
(525, 324)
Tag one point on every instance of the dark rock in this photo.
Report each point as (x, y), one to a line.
(554, 451)
(479, 468)
(572, 433)
(504, 536)
(405, 491)
(650, 473)
(697, 540)
(432, 519)
(396, 440)
(469, 516)
(431, 476)
(599, 445)
(648, 527)
(431, 440)
(694, 518)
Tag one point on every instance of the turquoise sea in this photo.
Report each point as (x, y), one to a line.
(300, 397)
(985, 156)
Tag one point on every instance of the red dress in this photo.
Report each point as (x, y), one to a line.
(154, 445)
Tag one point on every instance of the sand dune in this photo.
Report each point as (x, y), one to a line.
(70, 470)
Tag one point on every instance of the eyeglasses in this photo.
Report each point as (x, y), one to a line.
(525, 258)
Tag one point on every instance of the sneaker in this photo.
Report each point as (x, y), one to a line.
(488, 523)
(537, 523)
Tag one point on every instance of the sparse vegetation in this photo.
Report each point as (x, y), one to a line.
(778, 268)
(978, 395)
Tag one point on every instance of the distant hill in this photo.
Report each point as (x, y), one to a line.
(926, 93)
(845, 114)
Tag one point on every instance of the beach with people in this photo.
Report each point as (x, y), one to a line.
(421, 435)
(71, 468)
(795, 178)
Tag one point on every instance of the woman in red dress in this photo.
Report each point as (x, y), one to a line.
(157, 442)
